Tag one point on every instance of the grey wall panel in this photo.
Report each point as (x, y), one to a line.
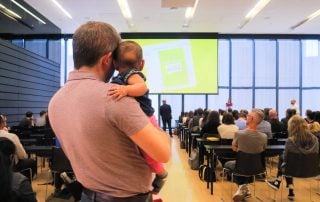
(27, 82)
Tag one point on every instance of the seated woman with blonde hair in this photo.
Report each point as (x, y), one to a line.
(300, 140)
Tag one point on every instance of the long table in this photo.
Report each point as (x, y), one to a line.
(271, 150)
(39, 150)
(226, 150)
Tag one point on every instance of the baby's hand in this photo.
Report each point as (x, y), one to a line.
(117, 92)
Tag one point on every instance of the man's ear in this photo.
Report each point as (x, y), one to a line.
(107, 58)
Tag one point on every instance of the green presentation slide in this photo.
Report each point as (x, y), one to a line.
(181, 66)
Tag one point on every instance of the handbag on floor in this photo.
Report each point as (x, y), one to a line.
(204, 174)
(194, 159)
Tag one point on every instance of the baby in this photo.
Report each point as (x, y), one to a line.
(128, 60)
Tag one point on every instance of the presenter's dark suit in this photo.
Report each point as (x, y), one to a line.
(165, 113)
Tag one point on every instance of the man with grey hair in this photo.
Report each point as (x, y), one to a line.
(276, 125)
(248, 140)
(101, 136)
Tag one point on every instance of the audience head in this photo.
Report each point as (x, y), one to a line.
(254, 118)
(205, 116)
(128, 55)
(298, 130)
(308, 113)
(7, 151)
(227, 119)
(200, 112)
(164, 102)
(266, 113)
(221, 111)
(314, 128)
(290, 113)
(273, 114)
(235, 114)
(43, 113)
(213, 117)
(29, 114)
(242, 115)
(316, 116)
(93, 44)
(244, 111)
(293, 101)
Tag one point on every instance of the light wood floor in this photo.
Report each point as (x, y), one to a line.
(184, 185)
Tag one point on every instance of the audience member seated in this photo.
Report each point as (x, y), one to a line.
(300, 140)
(315, 128)
(289, 114)
(4, 117)
(14, 186)
(221, 112)
(241, 121)
(316, 116)
(194, 122)
(27, 122)
(204, 118)
(184, 118)
(276, 125)
(211, 126)
(309, 116)
(189, 118)
(250, 141)
(265, 127)
(42, 121)
(21, 161)
(227, 128)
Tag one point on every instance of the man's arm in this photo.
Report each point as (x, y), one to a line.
(136, 87)
(154, 142)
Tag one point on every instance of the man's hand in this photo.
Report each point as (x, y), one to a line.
(117, 92)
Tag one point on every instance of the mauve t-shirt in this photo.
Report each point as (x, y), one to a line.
(94, 131)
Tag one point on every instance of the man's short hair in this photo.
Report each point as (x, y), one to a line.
(42, 113)
(259, 115)
(91, 41)
(29, 114)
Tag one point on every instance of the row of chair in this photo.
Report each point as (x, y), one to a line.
(250, 165)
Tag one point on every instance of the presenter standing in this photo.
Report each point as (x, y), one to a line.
(165, 113)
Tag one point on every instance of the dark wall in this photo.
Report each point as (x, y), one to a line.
(27, 82)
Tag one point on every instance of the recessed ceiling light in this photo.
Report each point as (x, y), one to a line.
(62, 9)
(307, 19)
(29, 12)
(254, 11)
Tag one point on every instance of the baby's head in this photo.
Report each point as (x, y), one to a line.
(128, 55)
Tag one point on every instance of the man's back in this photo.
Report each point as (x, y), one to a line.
(250, 141)
(95, 136)
(165, 111)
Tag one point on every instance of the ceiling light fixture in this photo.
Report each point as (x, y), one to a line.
(190, 10)
(189, 14)
(126, 12)
(29, 12)
(62, 9)
(9, 12)
(254, 11)
(309, 18)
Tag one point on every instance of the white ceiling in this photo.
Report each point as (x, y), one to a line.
(222, 16)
